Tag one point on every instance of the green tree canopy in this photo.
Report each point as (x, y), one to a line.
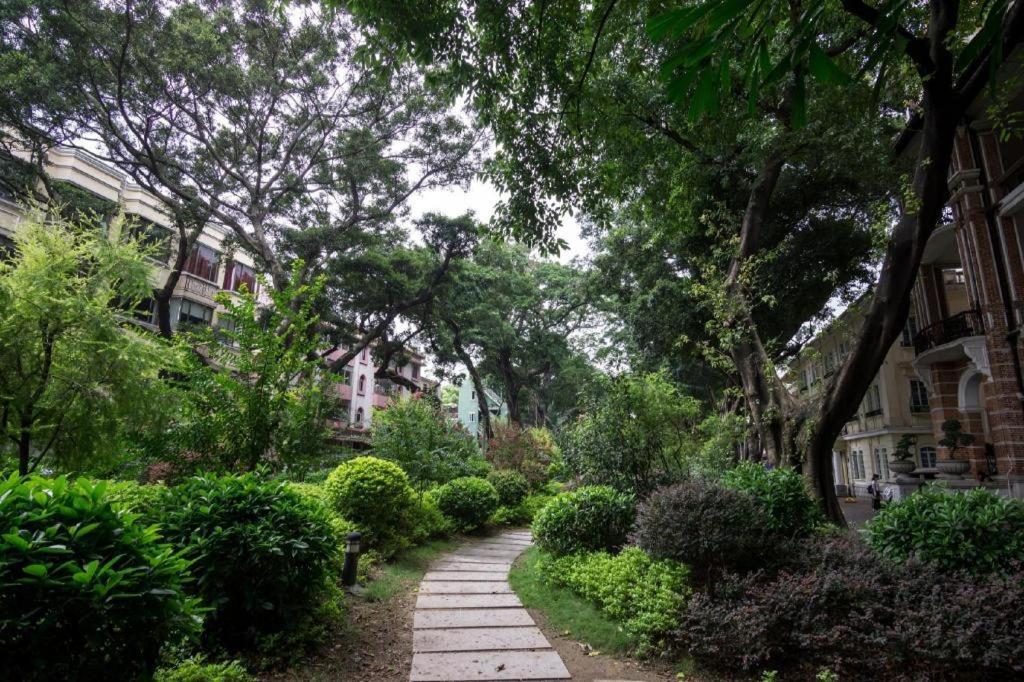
(75, 376)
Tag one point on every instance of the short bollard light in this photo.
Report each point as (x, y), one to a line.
(348, 570)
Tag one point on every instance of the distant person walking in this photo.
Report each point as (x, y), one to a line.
(875, 491)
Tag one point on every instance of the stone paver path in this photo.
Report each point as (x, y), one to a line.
(469, 625)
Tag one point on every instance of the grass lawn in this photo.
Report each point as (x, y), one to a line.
(405, 570)
(566, 612)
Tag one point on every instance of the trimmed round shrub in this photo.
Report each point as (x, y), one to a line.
(589, 519)
(374, 494)
(512, 486)
(426, 520)
(86, 591)
(704, 525)
(263, 557)
(975, 531)
(467, 501)
(789, 509)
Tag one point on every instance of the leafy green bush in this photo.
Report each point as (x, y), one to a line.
(782, 492)
(468, 502)
(708, 527)
(86, 591)
(375, 495)
(196, 670)
(643, 594)
(975, 531)
(263, 558)
(632, 435)
(589, 519)
(141, 498)
(523, 513)
(512, 486)
(426, 520)
(417, 436)
(317, 495)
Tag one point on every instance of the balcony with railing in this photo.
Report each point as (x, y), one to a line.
(953, 339)
(962, 325)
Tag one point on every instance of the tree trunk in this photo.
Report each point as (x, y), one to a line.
(890, 303)
(474, 375)
(24, 447)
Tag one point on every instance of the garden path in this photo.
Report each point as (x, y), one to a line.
(469, 625)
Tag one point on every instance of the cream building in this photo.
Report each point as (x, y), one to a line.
(212, 266)
(895, 405)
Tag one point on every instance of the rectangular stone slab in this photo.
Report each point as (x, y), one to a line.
(470, 618)
(488, 665)
(476, 558)
(505, 542)
(466, 575)
(490, 554)
(478, 639)
(464, 587)
(468, 566)
(467, 601)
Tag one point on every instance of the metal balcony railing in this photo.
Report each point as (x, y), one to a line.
(959, 326)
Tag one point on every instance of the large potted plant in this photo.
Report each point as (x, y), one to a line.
(953, 438)
(902, 457)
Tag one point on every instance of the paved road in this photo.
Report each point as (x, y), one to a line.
(857, 513)
(469, 625)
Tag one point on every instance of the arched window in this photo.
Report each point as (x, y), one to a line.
(362, 384)
(359, 416)
(928, 457)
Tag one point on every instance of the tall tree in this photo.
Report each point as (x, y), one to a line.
(510, 319)
(541, 72)
(280, 127)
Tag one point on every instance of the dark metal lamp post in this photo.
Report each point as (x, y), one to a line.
(348, 570)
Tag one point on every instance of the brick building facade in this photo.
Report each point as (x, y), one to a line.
(968, 306)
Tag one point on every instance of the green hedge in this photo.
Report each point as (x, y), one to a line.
(263, 557)
(376, 496)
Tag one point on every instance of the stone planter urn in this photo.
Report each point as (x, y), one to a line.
(902, 467)
(953, 468)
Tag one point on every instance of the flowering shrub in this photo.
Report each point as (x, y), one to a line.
(708, 527)
(789, 509)
(589, 519)
(975, 531)
(528, 451)
(86, 590)
(645, 595)
(468, 502)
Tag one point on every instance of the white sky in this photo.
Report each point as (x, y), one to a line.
(481, 198)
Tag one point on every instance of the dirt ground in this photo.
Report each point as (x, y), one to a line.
(376, 645)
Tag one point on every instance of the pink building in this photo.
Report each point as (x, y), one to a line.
(360, 391)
